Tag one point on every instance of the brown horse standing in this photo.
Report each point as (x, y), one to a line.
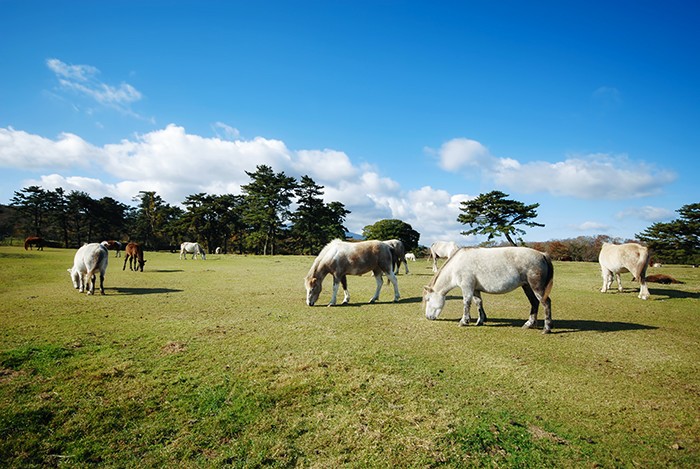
(134, 254)
(34, 241)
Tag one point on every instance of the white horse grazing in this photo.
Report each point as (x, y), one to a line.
(340, 258)
(90, 259)
(192, 248)
(399, 253)
(113, 245)
(442, 249)
(410, 257)
(618, 258)
(493, 270)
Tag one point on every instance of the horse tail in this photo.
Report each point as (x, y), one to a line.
(550, 277)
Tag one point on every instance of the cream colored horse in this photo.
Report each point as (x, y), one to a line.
(340, 259)
(618, 258)
(493, 270)
(443, 249)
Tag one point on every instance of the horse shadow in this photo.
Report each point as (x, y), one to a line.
(672, 294)
(143, 291)
(566, 326)
(167, 271)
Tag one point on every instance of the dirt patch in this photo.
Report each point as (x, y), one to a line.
(173, 347)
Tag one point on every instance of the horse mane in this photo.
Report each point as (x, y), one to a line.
(434, 279)
(322, 255)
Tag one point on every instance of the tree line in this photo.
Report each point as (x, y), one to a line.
(259, 221)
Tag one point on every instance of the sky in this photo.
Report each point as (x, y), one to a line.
(400, 109)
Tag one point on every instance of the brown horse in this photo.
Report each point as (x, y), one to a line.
(113, 245)
(34, 241)
(134, 254)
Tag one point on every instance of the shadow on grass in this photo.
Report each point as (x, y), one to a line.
(563, 326)
(143, 291)
(166, 271)
(672, 294)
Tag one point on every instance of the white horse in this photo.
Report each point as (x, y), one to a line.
(493, 270)
(442, 249)
(618, 258)
(410, 257)
(192, 248)
(88, 260)
(340, 258)
(399, 253)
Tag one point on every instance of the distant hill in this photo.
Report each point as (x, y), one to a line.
(355, 236)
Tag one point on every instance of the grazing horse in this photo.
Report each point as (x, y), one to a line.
(493, 270)
(134, 254)
(192, 248)
(410, 257)
(340, 259)
(89, 259)
(34, 241)
(618, 258)
(399, 254)
(113, 245)
(442, 249)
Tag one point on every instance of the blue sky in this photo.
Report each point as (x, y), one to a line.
(400, 109)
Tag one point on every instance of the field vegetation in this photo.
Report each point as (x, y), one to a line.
(220, 362)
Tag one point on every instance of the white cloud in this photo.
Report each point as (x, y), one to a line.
(594, 176)
(19, 149)
(647, 213)
(592, 226)
(83, 81)
(225, 131)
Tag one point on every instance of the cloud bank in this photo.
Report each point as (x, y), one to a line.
(593, 176)
(175, 164)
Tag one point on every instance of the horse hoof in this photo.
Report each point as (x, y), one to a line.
(463, 324)
(528, 325)
(546, 331)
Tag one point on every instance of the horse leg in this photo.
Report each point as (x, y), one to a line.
(346, 293)
(435, 269)
(534, 306)
(126, 257)
(607, 280)
(395, 283)
(619, 281)
(467, 298)
(480, 304)
(102, 283)
(91, 286)
(643, 289)
(334, 294)
(378, 277)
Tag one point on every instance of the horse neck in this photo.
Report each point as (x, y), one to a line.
(443, 281)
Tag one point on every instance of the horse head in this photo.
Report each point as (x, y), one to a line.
(313, 290)
(434, 302)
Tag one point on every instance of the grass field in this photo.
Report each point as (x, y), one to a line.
(220, 362)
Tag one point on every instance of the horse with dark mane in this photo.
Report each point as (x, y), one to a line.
(34, 241)
(493, 270)
(134, 254)
(113, 245)
(340, 259)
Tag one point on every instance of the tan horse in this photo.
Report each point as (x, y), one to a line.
(493, 270)
(134, 254)
(340, 259)
(619, 258)
(34, 241)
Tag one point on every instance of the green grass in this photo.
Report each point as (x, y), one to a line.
(220, 362)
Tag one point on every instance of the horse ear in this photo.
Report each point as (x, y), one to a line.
(427, 289)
